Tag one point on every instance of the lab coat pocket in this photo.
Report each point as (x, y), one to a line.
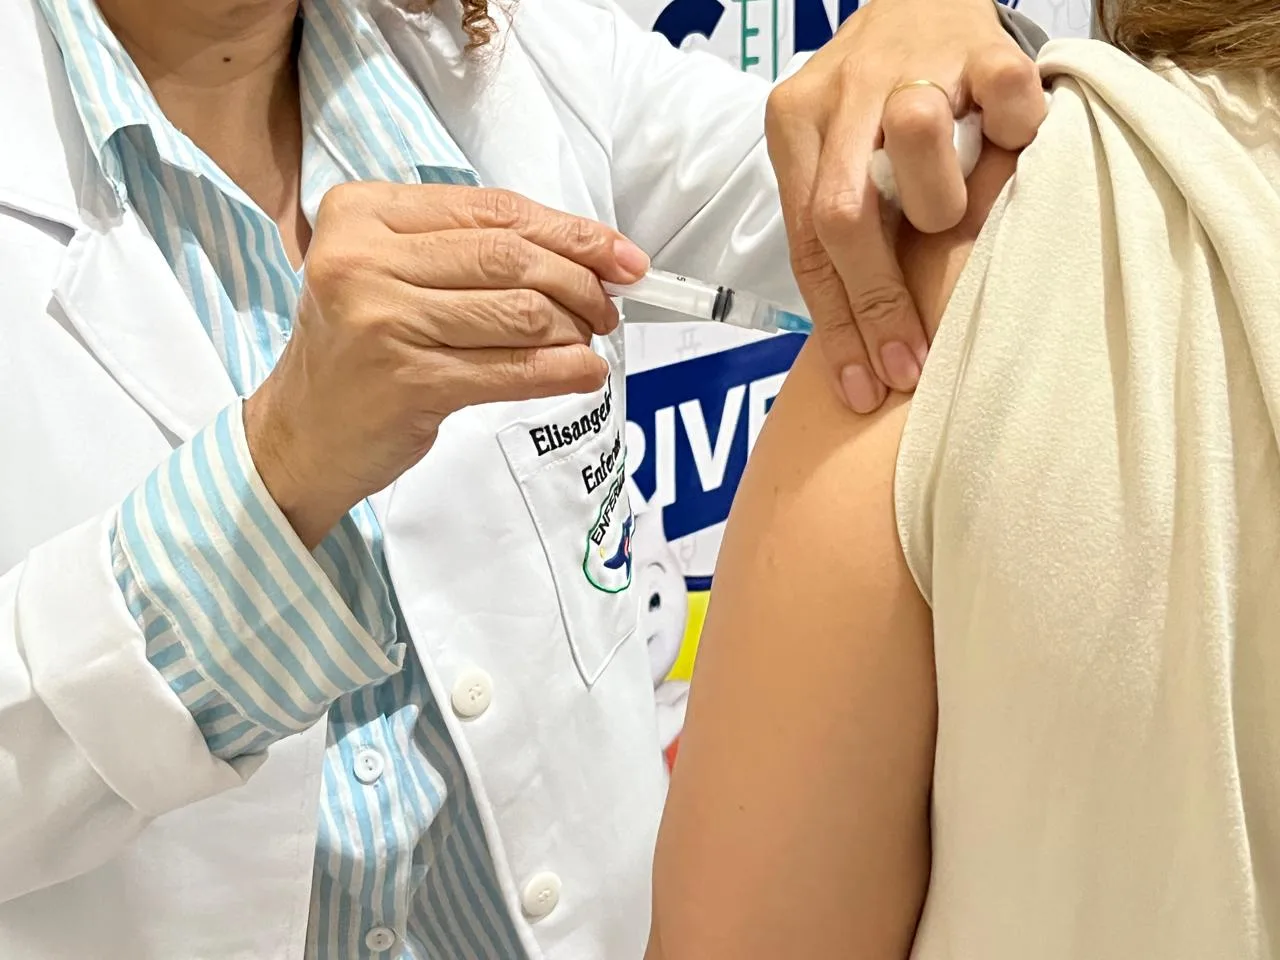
(570, 466)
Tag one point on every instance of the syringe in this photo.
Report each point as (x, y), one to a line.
(705, 301)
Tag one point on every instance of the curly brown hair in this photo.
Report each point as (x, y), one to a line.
(476, 22)
(1197, 35)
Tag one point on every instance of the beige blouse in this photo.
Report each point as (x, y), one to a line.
(1088, 495)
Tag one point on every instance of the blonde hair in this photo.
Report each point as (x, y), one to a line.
(1197, 35)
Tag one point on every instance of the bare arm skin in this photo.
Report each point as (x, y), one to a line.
(798, 821)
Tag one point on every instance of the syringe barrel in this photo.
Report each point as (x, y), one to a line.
(704, 301)
(671, 291)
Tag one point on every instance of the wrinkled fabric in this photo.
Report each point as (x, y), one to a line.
(1088, 494)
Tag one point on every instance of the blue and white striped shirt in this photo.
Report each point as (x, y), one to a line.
(258, 637)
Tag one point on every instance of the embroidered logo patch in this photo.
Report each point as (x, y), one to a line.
(608, 561)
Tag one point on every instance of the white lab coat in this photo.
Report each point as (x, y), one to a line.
(121, 836)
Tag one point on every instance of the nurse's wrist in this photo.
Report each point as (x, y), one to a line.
(287, 470)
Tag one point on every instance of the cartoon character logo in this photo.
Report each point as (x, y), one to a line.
(607, 563)
(664, 614)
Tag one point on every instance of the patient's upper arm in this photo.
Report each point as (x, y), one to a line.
(798, 819)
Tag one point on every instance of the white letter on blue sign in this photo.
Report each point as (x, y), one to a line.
(711, 463)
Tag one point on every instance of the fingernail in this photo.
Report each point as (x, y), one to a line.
(900, 364)
(633, 261)
(862, 390)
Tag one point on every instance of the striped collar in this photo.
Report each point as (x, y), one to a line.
(350, 81)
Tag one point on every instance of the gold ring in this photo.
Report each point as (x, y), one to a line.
(917, 83)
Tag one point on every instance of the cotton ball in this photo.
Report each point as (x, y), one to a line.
(968, 143)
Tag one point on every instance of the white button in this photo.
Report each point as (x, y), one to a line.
(472, 694)
(541, 895)
(379, 939)
(368, 766)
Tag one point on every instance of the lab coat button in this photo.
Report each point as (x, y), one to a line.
(472, 694)
(541, 896)
(379, 939)
(368, 765)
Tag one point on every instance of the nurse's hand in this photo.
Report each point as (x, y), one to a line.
(823, 125)
(418, 301)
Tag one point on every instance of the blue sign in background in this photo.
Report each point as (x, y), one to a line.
(691, 397)
(681, 19)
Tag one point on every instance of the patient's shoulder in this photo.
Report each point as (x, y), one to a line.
(932, 263)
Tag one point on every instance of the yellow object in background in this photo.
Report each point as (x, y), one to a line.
(683, 669)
